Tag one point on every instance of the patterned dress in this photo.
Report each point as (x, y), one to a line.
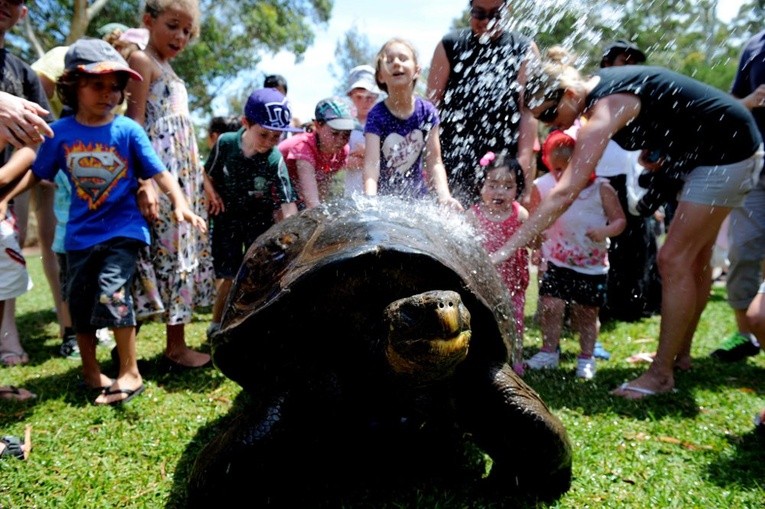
(180, 271)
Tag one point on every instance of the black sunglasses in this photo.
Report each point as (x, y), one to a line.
(549, 114)
(480, 15)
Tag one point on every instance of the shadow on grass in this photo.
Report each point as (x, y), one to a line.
(327, 467)
(561, 389)
(744, 469)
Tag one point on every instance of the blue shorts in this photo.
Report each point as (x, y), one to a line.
(230, 241)
(572, 286)
(99, 281)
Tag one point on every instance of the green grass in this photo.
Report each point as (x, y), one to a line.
(694, 448)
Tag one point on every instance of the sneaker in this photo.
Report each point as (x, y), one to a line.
(543, 360)
(600, 352)
(105, 338)
(69, 348)
(585, 368)
(736, 347)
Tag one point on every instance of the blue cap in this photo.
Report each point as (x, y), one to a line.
(270, 109)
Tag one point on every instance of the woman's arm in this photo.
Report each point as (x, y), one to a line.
(527, 129)
(438, 75)
(371, 163)
(608, 115)
(21, 121)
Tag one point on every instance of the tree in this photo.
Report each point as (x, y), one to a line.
(353, 49)
(234, 35)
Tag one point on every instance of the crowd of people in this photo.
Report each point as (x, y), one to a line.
(475, 145)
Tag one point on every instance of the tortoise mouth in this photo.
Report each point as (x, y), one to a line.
(428, 359)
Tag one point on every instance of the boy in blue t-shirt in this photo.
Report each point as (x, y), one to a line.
(103, 155)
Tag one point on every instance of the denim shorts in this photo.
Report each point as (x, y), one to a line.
(572, 286)
(99, 281)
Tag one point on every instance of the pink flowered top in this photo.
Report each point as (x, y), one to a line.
(566, 243)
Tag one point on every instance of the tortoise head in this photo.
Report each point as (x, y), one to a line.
(428, 335)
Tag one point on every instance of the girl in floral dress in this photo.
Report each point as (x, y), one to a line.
(179, 271)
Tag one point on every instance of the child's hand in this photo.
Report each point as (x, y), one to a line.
(3, 209)
(185, 214)
(452, 203)
(214, 202)
(148, 200)
(596, 234)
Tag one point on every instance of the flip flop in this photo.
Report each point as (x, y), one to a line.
(15, 393)
(640, 390)
(92, 391)
(131, 393)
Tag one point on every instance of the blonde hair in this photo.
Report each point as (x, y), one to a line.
(380, 59)
(191, 7)
(547, 76)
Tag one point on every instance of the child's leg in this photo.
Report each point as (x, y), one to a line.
(179, 352)
(551, 321)
(585, 322)
(91, 370)
(128, 379)
(220, 299)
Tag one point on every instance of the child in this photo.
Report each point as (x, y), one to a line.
(18, 79)
(180, 257)
(103, 155)
(364, 93)
(575, 249)
(248, 173)
(401, 131)
(497, 216)
(313, 159)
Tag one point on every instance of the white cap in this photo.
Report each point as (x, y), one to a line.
(363, 76)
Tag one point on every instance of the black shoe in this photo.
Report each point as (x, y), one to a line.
(736, 347)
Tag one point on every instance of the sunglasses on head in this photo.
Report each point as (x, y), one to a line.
(480, 15)
(549, 114)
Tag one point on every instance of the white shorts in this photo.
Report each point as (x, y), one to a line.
(14, 278)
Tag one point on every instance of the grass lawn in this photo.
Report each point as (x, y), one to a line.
(694, 448)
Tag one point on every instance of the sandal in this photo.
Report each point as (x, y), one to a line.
(16, 393)
(15, 447)
(7, 358)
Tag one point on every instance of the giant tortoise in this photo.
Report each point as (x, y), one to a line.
(374, 320)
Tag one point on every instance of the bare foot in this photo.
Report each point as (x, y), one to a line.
(644, 386)
(15, 393)
(683, 363)
(98, 383)
(188, 358)
(13, 358)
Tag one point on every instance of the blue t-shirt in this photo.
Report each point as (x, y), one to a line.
(402, 145)
(103, 165)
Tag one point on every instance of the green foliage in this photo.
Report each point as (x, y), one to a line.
(694, 448)
(352, 50)
(234, 35)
